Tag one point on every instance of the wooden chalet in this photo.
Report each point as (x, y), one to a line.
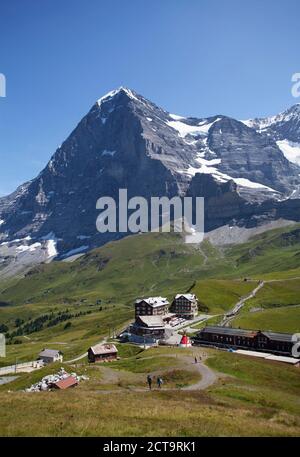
(102, 352)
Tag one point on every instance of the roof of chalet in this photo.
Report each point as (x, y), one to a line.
(49, 353)
(103, 348)
(190, 297)
(153, 301)
(67, 382)
(249, 333)
(152, 321)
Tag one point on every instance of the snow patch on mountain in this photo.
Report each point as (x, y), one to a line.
(30, 247)
(51, 242)
(207, 167)
(261, 124)
(112, 94)
(290, 150)
(176, 117)
(185, 129)
(17, 240)
(51, 247)
(252, 185)
(108, 153)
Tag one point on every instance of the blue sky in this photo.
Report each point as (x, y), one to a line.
(192, 57)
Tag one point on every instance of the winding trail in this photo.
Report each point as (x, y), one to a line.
(238, 306)
(82, 356)
(205, 257)
(208, 377)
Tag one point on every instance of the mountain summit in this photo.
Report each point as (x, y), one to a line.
(285, 129)
(126, 141)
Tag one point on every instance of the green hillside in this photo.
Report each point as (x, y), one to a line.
(274, 254)
(119, 270)
(78, 303)
(70, 306)
(249, 397)
(283, 319)
(219, 295)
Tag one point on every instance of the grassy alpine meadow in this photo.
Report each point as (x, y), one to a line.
(269, 385)
(71, 306)
(219, 295)
(133, 266)
(284, 319)
(249, 398)
(148, 414)
(275, 294)
(72, 341)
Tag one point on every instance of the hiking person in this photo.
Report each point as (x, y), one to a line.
(159, 382)
(149, 381)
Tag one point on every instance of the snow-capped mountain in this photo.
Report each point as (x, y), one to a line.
(126, 141)
(284, 128)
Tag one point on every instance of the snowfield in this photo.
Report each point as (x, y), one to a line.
(207, 167)
(290, 150)
(185, 129)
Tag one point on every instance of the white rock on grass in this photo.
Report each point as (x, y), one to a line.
(47, 381)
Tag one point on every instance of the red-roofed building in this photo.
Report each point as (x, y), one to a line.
(70, 381)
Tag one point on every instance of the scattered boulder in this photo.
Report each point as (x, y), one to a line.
(47, 382)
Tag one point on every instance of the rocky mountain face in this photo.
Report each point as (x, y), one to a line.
(126, 141)
(283, 126)
(284, 129)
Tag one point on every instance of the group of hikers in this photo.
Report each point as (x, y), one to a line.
(159, 381)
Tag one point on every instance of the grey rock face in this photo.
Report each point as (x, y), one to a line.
(284, 126)
(248, 154)
(125, 141)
